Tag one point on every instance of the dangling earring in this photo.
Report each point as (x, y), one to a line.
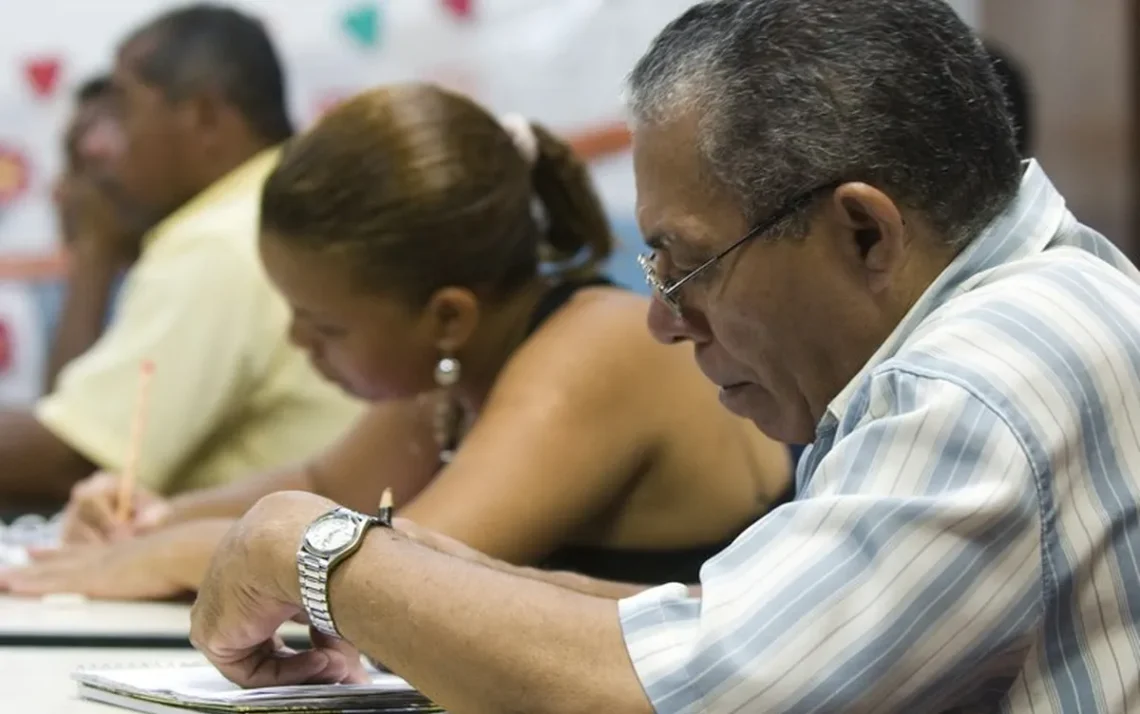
(448, 415)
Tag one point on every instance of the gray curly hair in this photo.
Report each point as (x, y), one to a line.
(790, 95)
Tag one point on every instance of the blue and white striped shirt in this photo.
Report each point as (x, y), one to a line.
(966, 536)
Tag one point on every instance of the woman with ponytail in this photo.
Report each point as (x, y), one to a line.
(444, 265)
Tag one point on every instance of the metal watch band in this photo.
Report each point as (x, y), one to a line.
(313, 572)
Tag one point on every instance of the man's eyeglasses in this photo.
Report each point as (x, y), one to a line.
(668, 292)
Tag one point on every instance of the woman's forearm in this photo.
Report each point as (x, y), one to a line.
(234, 499)
(188, 547)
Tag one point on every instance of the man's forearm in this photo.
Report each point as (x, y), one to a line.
(37, 469)
(84, 313)
(476, 639)
(592, 586)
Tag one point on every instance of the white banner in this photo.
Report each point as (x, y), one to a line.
(558, 61)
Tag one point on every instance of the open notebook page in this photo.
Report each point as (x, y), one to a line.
(199, 685)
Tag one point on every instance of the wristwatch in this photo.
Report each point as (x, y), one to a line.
(328, 540)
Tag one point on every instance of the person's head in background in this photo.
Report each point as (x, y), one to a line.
(1019, 94)
(93, 138)
(410, 225)
(200, 91)
(93, 142)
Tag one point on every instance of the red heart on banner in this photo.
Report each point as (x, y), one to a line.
(43, 74)
(460, 8)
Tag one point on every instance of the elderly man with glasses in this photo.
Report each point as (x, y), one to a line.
(841, 225)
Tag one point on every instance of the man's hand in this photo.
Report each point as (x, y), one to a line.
(93, 223)
(101, 243)
(91, 514)
(138, 569)
(251, 589)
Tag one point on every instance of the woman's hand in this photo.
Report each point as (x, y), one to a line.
(440, 542)
(91, 516)
(145, 568)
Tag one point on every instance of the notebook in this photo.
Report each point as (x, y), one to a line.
(179, 689)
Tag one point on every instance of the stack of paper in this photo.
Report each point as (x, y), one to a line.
(181, 689)
(30, 531)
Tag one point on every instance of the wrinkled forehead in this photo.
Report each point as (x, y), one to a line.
(677, 199)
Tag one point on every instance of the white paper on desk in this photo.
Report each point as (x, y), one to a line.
(201, 686)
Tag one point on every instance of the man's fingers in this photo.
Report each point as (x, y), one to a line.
(267, 667)
(271, 664)
(342, 653)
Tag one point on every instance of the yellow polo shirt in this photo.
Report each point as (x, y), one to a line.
(229, 395)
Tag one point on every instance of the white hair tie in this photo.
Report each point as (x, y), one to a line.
(521, 133)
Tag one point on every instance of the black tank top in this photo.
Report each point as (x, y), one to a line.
(638, 566)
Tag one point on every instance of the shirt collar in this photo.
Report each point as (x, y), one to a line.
(1024, 228)
(257, 164)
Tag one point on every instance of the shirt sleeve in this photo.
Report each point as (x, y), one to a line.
(906, 577)
(192, 314)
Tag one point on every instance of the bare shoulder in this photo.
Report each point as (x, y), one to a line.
(597, 345)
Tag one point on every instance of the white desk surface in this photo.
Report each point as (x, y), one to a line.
(38, 680)
(26, 619)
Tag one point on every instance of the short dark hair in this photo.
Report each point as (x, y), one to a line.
(205, 45)
(1018, 94)
(93, 88)
(790, 95)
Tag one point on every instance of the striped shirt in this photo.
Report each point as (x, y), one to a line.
(966, 535)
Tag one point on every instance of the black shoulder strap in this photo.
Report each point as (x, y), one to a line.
(557, 296)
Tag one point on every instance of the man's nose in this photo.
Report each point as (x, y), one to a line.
(667, 327)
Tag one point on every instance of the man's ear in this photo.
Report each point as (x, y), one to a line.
(204, 115)
(872, 233)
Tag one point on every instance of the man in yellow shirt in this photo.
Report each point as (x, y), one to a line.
(202, 102)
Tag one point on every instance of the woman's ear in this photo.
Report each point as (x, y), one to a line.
(454, 315)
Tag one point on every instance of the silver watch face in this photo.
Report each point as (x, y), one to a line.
(329, 535)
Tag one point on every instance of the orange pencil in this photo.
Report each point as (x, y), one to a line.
(138, 426)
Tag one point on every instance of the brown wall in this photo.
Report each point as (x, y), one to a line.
(1081, 59)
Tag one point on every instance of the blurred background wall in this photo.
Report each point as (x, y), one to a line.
(559, 61)
(1082, 60)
